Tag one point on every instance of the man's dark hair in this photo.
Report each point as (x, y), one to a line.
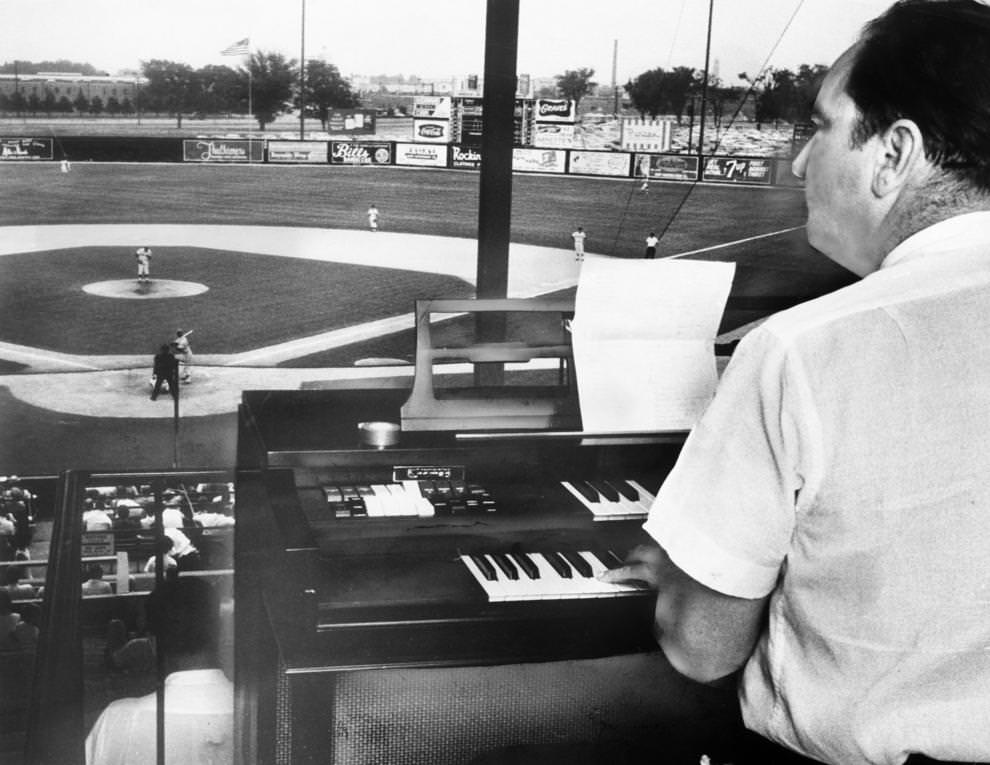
(929, 61)
(184, 616)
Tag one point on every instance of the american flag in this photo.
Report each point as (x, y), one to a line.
(239, 48)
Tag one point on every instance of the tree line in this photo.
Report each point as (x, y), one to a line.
(264, 86)
(776, 95)
(267, 84)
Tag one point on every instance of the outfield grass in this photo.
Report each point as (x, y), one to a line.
(256, 300)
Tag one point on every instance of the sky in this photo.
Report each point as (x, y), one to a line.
(439, 39)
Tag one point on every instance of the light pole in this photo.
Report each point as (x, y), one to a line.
(302, 73)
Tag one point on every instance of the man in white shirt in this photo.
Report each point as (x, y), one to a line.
(183, 615)
(826, 529)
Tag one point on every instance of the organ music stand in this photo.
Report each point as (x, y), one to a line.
(496, 407)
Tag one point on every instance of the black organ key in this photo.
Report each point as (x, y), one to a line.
(578, 563)
(587, 491)
(608, 558)
(625, 489)
(507, 566)
(606, 490)
(558, 564)
(486, 568)
(523, 561)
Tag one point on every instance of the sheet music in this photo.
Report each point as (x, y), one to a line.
(643, 339)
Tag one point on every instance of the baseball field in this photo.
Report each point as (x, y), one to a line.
(289, 258)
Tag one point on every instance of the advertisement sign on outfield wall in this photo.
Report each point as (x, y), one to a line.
(465, 157)
(25, 148)
(222, 150)
(599, 163)
(360, 121)
(431, 107)
(420, 155)
(360, 153)
(539, 160)
(668, 167)
(431, 131)
(314, 152)
(738, 169)
(553, 135)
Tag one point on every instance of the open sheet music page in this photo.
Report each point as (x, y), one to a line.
(643, 336)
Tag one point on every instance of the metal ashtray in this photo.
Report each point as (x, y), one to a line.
(379, 434)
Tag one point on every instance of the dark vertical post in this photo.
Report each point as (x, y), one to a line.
(175, 383)
(704, 90)
(495, 199)
(302, 73)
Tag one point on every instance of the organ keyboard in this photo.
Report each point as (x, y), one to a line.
(448, 549)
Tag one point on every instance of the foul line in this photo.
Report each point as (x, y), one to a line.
(732, 244)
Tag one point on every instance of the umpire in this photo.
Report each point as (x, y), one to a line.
(166, 371)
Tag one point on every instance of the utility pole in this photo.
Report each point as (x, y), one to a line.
(615, 83)
(704, 89)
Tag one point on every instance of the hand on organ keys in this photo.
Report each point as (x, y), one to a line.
(545, 575)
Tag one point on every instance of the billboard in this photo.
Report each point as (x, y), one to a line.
(25, 148)
(553, 135)
(738, 169)
(668, 167)
(360, 153)
(554, 110)
(431, 107)
(614, 163)
(222, 150)
(432, 131)
(465, 157)
(360, 121)
(420, 155)
(314, 152)
(539, 160)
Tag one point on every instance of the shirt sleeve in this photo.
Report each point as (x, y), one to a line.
(726, 513)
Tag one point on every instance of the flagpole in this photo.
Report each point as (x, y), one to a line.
(302, 73)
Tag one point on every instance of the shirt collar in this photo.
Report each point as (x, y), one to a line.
(967, 229)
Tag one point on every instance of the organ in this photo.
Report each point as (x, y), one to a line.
(464, 557)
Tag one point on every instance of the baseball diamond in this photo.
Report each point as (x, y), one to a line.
(275, 270)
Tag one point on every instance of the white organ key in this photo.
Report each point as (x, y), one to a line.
(421, 505)
(374, 502)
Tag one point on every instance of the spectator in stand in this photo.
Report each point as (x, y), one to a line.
(164, 546)
(8, 530)
(17, 506)
(15, 587)
(183, 550)
(95, 584)
(8, 621)
(184, 617)
(122, 520)
(27, 630)
(96, 518)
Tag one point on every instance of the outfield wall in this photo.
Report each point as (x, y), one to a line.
(763, 171)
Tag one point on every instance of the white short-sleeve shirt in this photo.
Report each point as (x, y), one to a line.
(844, 467)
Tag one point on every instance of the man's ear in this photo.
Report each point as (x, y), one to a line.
(900, 148)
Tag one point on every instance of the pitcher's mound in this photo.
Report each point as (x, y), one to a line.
(132, 289)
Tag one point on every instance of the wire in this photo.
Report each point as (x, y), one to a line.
(718, 142)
